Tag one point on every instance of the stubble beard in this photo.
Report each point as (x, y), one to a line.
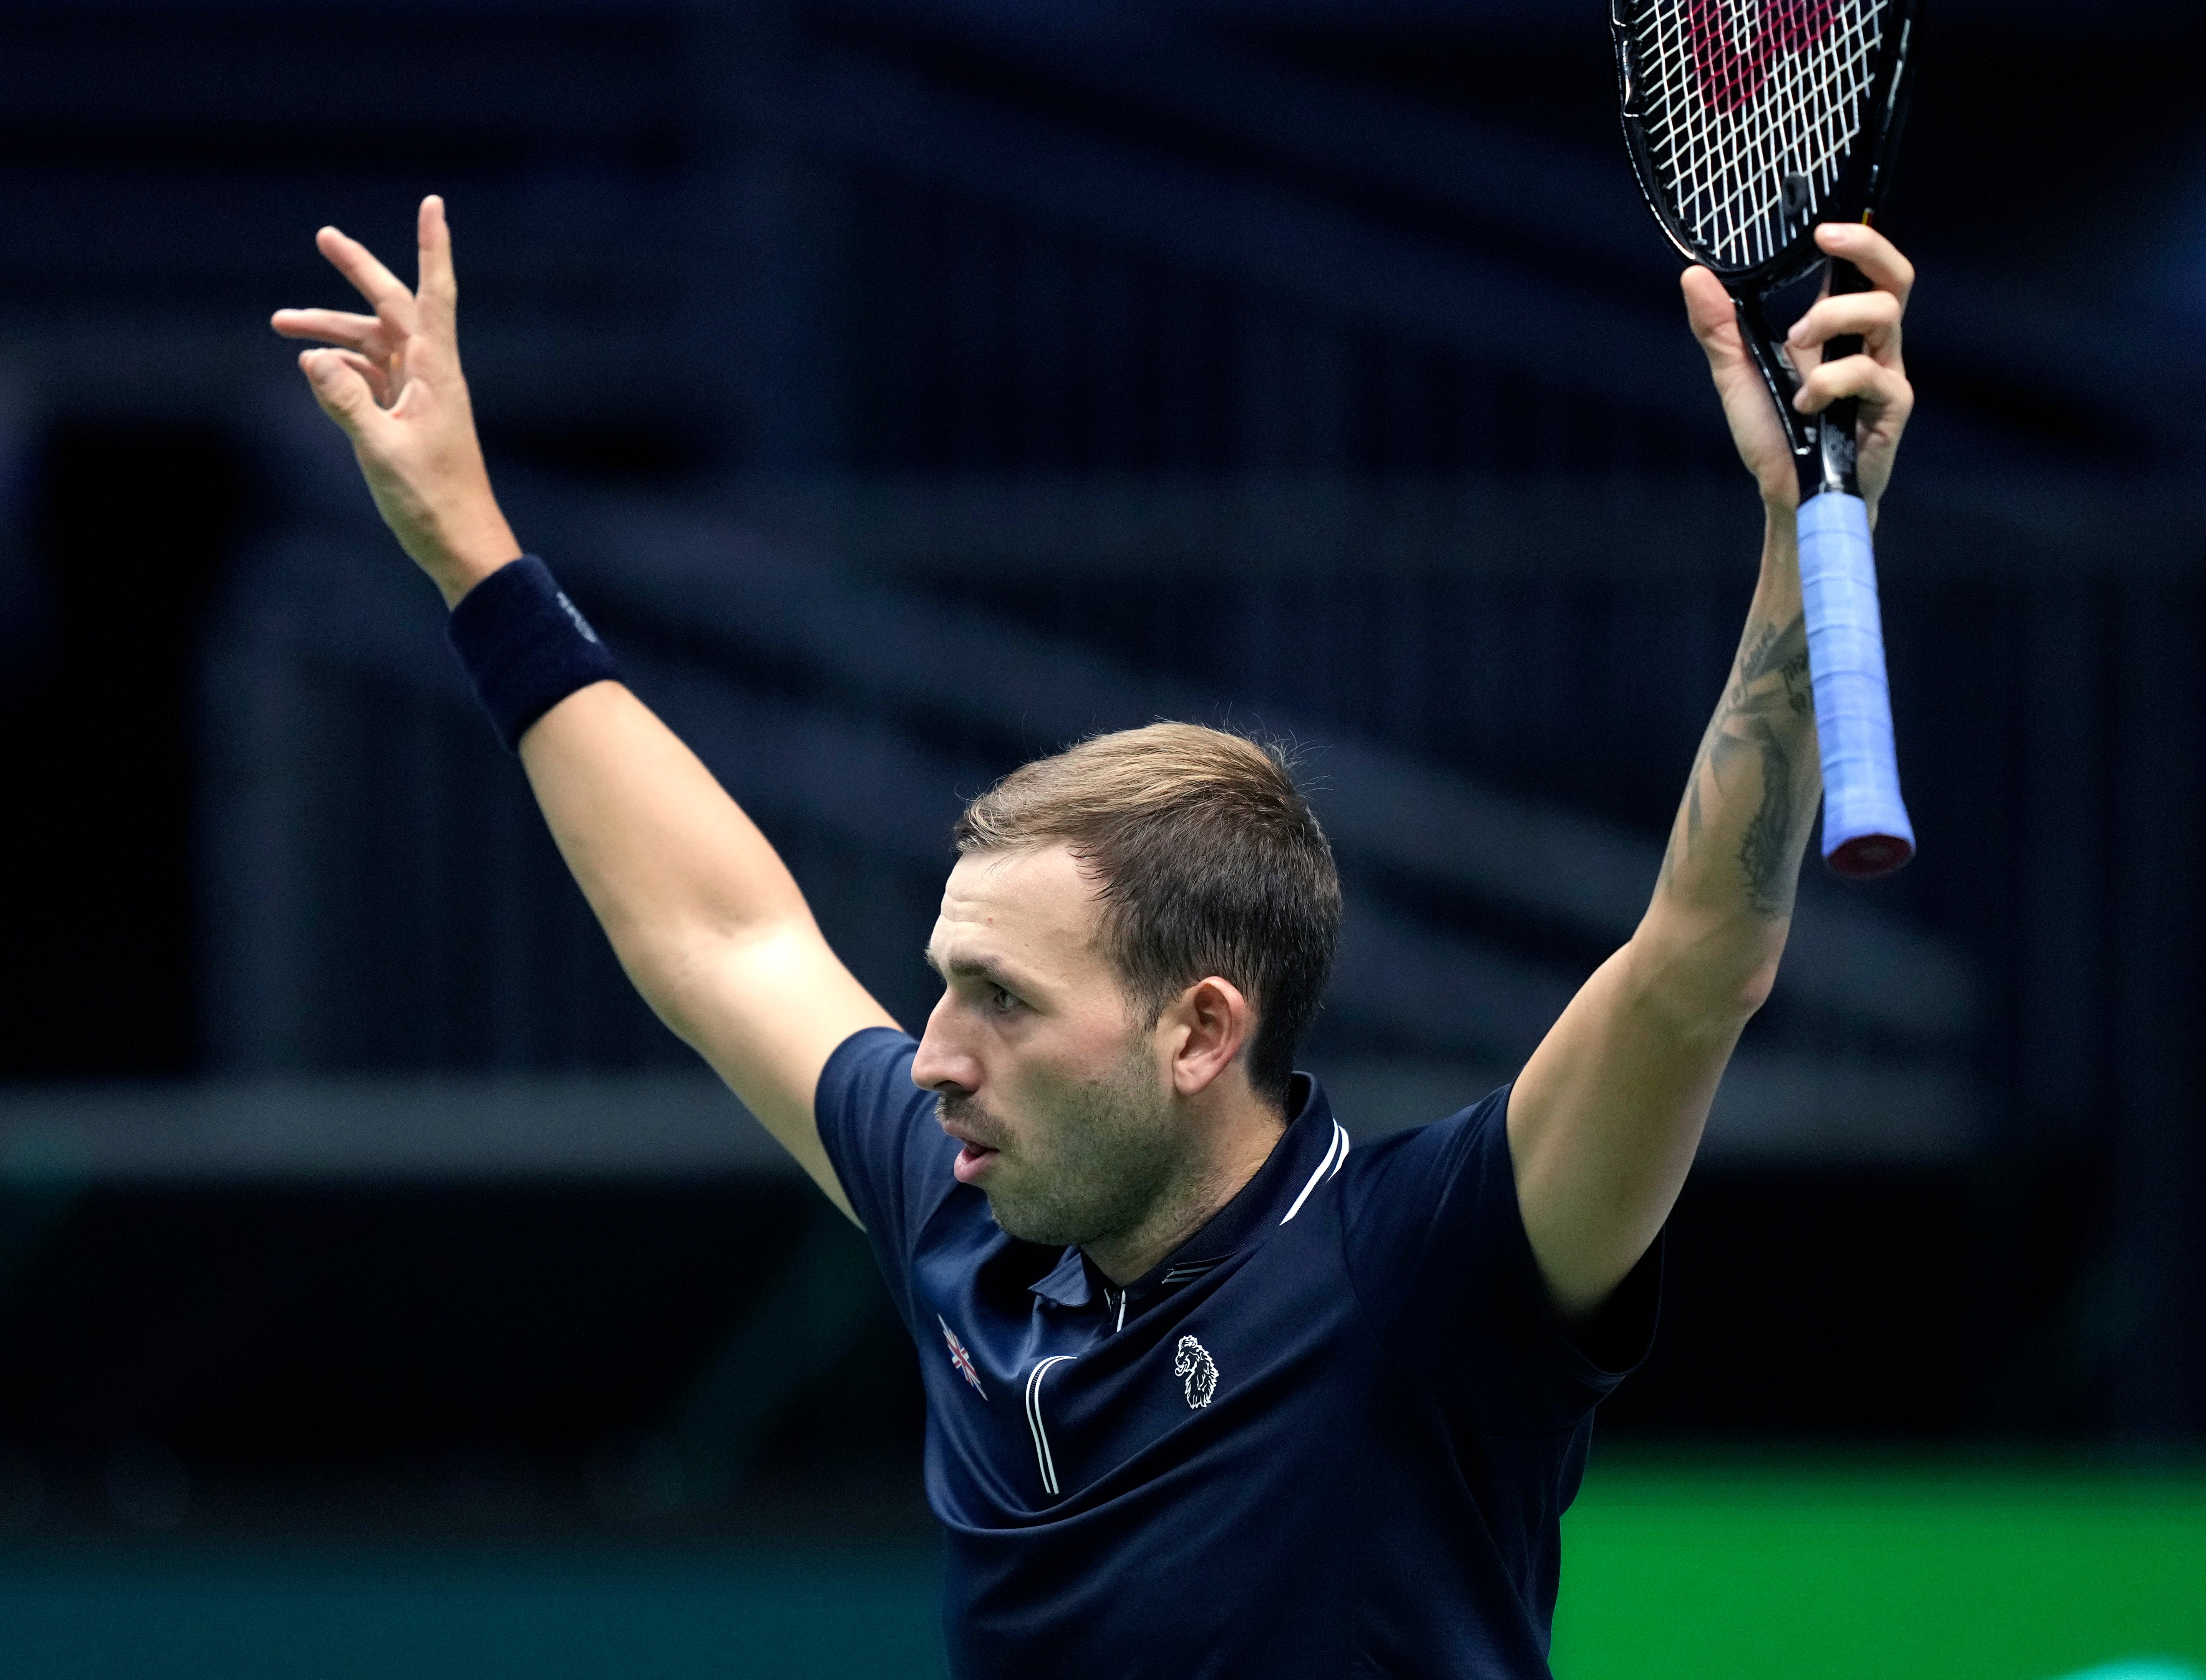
(1095, 1168)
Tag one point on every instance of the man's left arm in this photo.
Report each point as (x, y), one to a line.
(1604, 1119)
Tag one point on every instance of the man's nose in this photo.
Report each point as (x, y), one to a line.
(941, 1064)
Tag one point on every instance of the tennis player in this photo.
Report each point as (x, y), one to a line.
(1209, 1393)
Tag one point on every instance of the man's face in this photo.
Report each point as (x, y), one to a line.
(1038, 1064)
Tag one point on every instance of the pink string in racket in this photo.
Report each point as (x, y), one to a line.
(1750, 109)
(1730, 77)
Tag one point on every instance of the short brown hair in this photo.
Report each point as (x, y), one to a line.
(1208, 861)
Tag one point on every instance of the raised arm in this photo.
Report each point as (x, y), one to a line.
(705, 918)
(1604, 1120)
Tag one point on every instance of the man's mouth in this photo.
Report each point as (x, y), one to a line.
(972, 1161)
(955, 1118)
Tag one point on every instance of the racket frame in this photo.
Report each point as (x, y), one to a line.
(1823, 444)
(1875, 836)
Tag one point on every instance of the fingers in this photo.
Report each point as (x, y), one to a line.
(1861, 375)
(1715, 318)
(376, 357)
(340, 388)
(1874, 315)
(332, 326)
(440, 289)
(385, 380)
(381, 288)
(1871, 253)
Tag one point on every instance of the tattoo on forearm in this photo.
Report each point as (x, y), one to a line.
(1765, 850)
(1759, 720)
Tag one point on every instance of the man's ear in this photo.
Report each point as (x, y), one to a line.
(1214, 1021)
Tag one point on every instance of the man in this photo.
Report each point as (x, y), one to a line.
(1208, 1393)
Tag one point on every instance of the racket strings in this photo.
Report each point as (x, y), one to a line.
(1750, 108)
(1732, 72)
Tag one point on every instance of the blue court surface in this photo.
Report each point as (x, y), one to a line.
(257, 1613)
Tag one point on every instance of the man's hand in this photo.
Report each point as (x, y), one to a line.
(393, 382)
(1876, 375)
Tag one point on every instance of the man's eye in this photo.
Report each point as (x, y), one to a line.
(1000, 999)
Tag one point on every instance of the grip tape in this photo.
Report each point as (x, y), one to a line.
(1866, 833)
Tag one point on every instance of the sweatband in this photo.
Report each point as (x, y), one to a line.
(525, 645)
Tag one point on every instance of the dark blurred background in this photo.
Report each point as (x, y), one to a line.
(907, 387)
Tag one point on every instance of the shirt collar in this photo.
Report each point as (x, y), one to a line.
(1309, 1152)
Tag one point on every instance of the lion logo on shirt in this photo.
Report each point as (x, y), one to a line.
(1197, 1372)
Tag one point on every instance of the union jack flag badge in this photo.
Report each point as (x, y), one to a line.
(959, 1357)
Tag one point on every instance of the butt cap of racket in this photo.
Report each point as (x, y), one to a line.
(1866, 856)
(1866, 832)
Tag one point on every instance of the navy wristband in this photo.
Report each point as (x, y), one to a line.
(524, 645)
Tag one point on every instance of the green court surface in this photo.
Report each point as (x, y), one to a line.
(1726, 1572)
(1711, 1569)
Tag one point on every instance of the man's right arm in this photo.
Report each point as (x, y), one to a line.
(704, 915)
(702, 912)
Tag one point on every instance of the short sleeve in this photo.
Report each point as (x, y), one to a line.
(1437, 1252)
(891, 1158)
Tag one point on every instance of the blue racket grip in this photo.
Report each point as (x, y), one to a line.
(1866, 833)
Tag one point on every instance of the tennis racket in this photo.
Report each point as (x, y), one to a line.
(1749, 122)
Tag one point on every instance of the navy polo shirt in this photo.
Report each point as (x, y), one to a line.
(1333, 1433)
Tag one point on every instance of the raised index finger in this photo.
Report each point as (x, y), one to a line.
(370, 278)
(440, 290)
(1870, 252)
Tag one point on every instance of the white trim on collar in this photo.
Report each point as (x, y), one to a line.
(1335, 1154)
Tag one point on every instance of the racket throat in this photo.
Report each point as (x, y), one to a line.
(1836, 439)
(1824, 445)
(1829, 469)
(1803, 432)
